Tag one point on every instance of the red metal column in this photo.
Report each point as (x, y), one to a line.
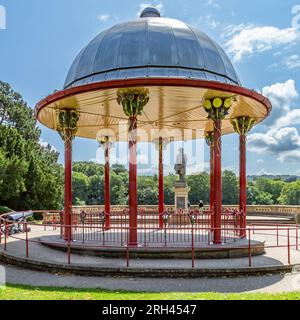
(212, 182)
(107, 187)
(243, 185)
(68, 186)
(132, 182)
(217, 181)
(161, 201)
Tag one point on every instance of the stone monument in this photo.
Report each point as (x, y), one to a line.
(181, 188)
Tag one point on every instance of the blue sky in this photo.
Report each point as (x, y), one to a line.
(262, 38)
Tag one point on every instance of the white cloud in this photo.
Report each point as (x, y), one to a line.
(263, 172)
(281, 95)
(291, 156)
(282, 138)
(281, 92)
(210, 21)
(291, 118)
(115, 157)
(246, 40)
(260, 161)
(45, 144)
(146, 171)
(292, 62)
(285, 143)
(142, 159)
(103, 17)
(213, 3)
(97, 161)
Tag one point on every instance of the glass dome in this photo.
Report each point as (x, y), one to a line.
(151, 47)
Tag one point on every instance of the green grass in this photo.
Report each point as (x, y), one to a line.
(18, 292)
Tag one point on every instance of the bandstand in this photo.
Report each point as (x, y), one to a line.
(154, 80)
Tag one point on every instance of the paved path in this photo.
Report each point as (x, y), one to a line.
(269, 283)
(273, 256)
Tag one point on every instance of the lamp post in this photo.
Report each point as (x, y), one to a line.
(106, 142)
(67, 128)
(160, 145)
(165, 217)
(133, 102)
(102, 218)
(242, 126)
(82, 217)
(209, 138)
(217, 109)
(193, 219)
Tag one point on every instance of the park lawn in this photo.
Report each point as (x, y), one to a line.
(18, 292)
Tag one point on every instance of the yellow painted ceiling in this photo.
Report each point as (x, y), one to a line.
(175, 110)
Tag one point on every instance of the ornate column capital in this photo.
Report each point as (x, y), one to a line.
(106, 142)
(163, 144)
(133, 100)
(242, 125)
(209, 138)
(217, 108)
(67, 124)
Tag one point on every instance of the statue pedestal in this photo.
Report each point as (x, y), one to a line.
(181, 191)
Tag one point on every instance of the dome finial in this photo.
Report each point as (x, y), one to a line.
(150, 12)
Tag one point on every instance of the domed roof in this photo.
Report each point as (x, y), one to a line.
(150, 47)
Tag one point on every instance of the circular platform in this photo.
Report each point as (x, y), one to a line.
(232, 249)
(47, 252)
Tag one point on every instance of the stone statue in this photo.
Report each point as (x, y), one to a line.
(180, 166)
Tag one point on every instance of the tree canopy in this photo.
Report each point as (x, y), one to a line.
(30, 177)
(262, 191)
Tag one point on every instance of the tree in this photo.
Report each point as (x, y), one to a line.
(12, 182)
(200, 186)
(90, 189)
(264, 198)
(118, 188)
(118, 169)
(147, 196)
(252, 193)
(169, 189)
(96, 190)
(290, 194)
(43, 181)
(230, 188)
(273, 187)
(15, 113)
(88, 168)
(30, 175)
(147, 191)
(80, 186)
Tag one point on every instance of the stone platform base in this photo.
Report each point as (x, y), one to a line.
(147, 272)
(236, 249)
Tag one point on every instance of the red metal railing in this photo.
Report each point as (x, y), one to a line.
(179, 232)
(90, 226)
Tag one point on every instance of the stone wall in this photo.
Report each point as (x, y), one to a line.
(251, 210)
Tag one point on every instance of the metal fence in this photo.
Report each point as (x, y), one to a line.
(178, 231)
(91, 226)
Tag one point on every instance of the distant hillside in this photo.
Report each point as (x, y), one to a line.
(286, 178)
